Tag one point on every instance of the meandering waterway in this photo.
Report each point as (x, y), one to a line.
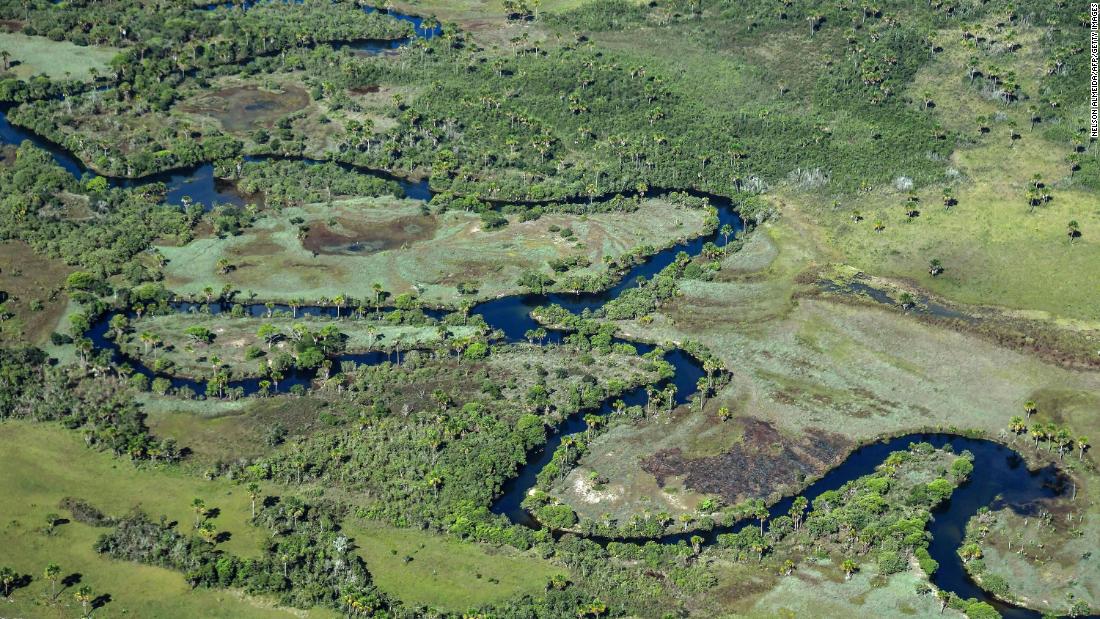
(1001, 478)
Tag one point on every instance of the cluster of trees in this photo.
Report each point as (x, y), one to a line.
(126, 221)
(885, 513)
(99, 406)
(163, 48)
(306, 562)
(293, 183)
(1054, 435)
(404, 436)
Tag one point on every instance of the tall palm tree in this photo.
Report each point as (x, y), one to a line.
(849, 566)
(1038, 432)
(253, 494)
(1016, 425)
(52, 573)
(7, 579)
(1030, 408)
(84, 595)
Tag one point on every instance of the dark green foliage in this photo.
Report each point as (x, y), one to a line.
(101, 407)
(130, 220)
(292, 183)
(307, 561)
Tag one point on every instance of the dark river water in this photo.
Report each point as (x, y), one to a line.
(1000, 478)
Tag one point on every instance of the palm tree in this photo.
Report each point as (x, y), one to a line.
(849, 566)
(199, 507)
(1016, 425)
(253, 494)
(85, 596)
(1064, 440)
(7, 579)
(379, 295)
(726, 230)
(696, 544)
(1051, 435)
(52, 573)
(1038, 432)
(1030, 408)
(1073, 230)
(208, 532)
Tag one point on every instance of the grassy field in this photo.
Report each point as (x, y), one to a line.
(57, 59)
(818, 591)
(811, 378)
(423, 568)
(41, 464)
(994, 250)
(353, 244)
(1040, 555)
(233, 337)
(30, 281)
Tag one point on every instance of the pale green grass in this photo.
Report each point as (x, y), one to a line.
(817, 591)
(443, 572)
(271, 261)
(57, 59)
(41, 464)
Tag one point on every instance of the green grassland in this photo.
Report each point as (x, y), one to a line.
(424, 568)
(994, 250)
(40, 465)
(439, 251)
(56, 59)
(814, 591)
(233, 337)
(1040, 556)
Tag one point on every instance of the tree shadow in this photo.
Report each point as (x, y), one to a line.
(19, 582)
(101, 601)
(72, 579)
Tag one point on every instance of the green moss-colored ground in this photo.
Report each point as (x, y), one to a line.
(30, 281)
(272, 261)
(41, 464)
(57, 59)
(1040, 555)
(423, 568)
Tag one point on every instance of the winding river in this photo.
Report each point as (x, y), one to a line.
(1001, 478)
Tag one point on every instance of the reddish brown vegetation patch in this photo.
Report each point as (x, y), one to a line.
(360, 237)
(761, 463)
(11, 25)
(243, 108)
